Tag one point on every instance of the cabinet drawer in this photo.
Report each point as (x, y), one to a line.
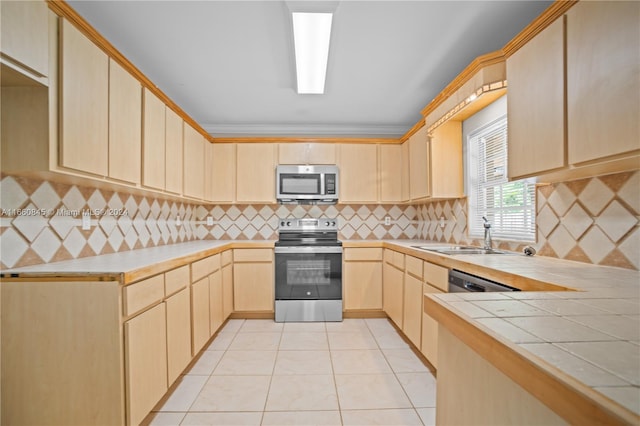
(372, 254)
(395, 258)
(437, 276)
(227, 257)
(252, 255)
(176, 279)
(204, 267)
(139, 295)
(414, 266)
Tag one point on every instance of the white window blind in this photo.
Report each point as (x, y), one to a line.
(509, 206)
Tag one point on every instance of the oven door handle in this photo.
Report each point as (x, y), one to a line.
(305, 250)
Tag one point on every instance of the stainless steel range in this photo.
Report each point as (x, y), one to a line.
(308, 272)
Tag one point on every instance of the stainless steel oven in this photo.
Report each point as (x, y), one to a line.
(308, 271)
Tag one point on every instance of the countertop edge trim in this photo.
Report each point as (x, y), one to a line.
(572, 400)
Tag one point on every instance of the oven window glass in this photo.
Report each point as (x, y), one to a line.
(309, 272)
(300, 184)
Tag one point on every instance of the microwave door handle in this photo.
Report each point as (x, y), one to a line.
(322, 189)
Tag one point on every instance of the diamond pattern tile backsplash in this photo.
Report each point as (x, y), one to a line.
(594, 220)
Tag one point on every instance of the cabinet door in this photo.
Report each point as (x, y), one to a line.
(404, 173)
(253, 287)
(208, 171)
(603, 79)
(256, 176)
(174, 151)
(412, 312)
(85, 103)
(390, 173)
(178, 334)
(535, 106)
(199, 314)
(227, 291)
(145, 340)
(419, 164)
(358, 173)
(25, 34)
(446, 161)
(216, 314)
(223, 182)
(307, 153)
(125, 125)
(362, 285)
(193, 163)
(153, 141)
(393, 293)
(429, 344)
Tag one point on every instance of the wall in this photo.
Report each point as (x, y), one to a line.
(593, 220)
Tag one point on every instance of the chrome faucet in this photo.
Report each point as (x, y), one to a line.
(487, 234)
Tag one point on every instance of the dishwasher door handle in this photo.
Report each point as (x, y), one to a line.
(474, 287)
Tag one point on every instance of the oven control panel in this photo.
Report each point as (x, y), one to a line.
(307, 224)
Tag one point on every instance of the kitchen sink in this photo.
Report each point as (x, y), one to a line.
(455, 250)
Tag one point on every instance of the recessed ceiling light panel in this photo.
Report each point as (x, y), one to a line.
(311, 33)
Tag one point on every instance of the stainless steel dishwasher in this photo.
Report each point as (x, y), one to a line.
(460, 282)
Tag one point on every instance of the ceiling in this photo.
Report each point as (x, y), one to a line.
(230, 64)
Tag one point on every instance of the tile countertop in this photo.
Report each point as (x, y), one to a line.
(586, 340)
(133, 265)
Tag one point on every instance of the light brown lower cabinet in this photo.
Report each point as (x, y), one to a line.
(436, 280)
(429, 343)
(393, 286)
(253, 285)
(145, 342)
(178, 333)
(200, 332)
(227, 284)
(216, 313)
(412, 313)
(362, 279)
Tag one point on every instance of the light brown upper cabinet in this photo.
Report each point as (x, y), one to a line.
(256, 172)
(358, 173)
(193, 178)
(419, 164)
(535, 104)
(173, 151)
(84, 143)
(404, 173)
(391, 173)
(307, 153)
(603, 79)
(125, 125)
(223, 178)
(208, 171)
(24, 29)
(153, 140)
(445, 155)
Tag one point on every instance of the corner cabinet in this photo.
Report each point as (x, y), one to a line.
(223, 173)
(391, 172)
(194, 149)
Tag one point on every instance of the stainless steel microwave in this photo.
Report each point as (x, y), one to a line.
(306, 184)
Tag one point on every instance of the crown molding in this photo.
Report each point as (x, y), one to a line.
(304, 130)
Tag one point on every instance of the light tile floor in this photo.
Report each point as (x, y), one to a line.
(258, 372)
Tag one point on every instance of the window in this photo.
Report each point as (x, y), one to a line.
(509, 206)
